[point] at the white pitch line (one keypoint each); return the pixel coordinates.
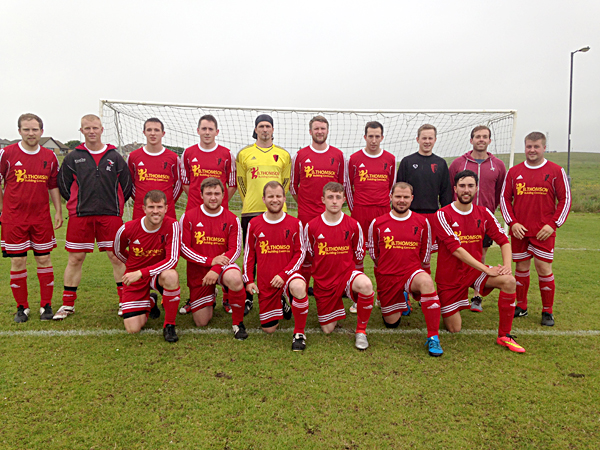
(215, 331)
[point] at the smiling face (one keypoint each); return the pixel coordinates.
(31, 133)
(401, 200)
(534, 152)
(319, 132)
(274, 199)
(155, 211)
(465, 189)
(481, 140)
(426, 142)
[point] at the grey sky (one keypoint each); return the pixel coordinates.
(57, 59)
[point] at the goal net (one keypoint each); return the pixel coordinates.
(123, 123)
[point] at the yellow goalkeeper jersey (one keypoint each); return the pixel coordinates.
(256, 166)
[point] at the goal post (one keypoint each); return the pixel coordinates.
(123, 123)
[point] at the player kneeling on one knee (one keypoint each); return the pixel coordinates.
(149, 247)
(460, 228)
(275, 242)
(335, 247)
(211, 242)
(400, 245)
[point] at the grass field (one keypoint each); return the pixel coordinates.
(84, 384)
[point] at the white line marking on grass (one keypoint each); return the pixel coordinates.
(215, 331)
(579, 249)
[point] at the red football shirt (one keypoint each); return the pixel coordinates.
(400, 245)
(199, 164)
(150, 171)
(152, 252)
(334, 248)
(27, 178)
(454, 229)
(311, 170)
(369, 179)
(530, 195)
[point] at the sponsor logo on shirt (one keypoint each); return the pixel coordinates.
(523, 189)
(468, 238)
(80, 160)
(255, 172)
(24, 177)
(390, 243)
(366, 176)
(266, 248)
(143, 175)
(310, 172)
(110, 165)
(197, 171)
(202, 238)
(141, 253)
(339, 250)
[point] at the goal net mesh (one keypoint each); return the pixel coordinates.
(123, 124)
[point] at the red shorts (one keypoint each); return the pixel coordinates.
(528, 247)
(83, 231)
(203, 296)
(19, 238)
(330, 307)
(364, 215)
(269, 300)
(136, 296)
(455, 299)
(390, 291)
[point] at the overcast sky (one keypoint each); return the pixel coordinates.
(59, 58)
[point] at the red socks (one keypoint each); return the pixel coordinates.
(237, 300)
(364, 307)
(18, 284)
(547, 289)
(171, 305)
(69, 295)
(46, 279)
(522, 288)
(506, 309)
(430, 305)
(300, 312)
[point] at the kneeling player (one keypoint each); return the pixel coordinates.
(336, 245)
(211, 242)
(460, 228)
(400, 245)
(150, 263)
(275, 240)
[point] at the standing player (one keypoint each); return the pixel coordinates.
(312, 168)
(428, 175)
(369, 180)
(275, 241)
(211, 242)
(461, 227)
(207, 159)
(529, 206)
(150, 262)
(95, 181)
(400, 245)
(29, 172)
(336, 247)
(257, 164)
(491, 172)
(154, 167)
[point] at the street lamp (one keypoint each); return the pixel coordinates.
(584, 49)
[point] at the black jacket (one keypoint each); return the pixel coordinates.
(94, 190)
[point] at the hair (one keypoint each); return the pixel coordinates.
(29, 116)
(332, 186)
(272, 185)
(317, 119)
(479, 128)
(426, 126)
(464, 174)
(154, 120)
(373, 124)
(402, 185)
(90, 117)
(211, 182)
(155, 196)
(210, 118)
(536, 136)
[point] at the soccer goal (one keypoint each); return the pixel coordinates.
(123, 123)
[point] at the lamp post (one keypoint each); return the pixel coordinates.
(584, 49)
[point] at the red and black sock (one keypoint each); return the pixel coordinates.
(506, 310)
(69, 295)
